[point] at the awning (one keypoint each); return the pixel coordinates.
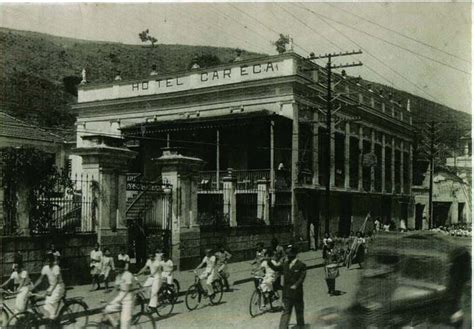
(196, 123)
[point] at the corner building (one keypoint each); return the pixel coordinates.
(259, 126)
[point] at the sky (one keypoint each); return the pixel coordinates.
(422, 48)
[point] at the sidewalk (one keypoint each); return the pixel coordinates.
(239, 274)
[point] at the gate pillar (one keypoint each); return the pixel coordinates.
(229, 197)
(104, 161)
(263, 201)
(181, 172)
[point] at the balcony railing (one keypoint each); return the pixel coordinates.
(245, 179)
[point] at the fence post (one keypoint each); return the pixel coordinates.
(230, 202)
(181, 173)
(105, 158)
(263, 201)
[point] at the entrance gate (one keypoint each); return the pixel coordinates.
(148, 217)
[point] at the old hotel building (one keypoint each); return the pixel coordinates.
(259, 128)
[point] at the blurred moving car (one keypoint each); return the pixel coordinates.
(410, 280)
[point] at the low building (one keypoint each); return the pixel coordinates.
(259, 127)
(451, 200)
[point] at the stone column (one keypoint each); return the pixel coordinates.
(105, 159)
(393, 165)
(181, 173)
(372, 169)
(410, 167)
(230, 201)
(347, 164)
(294, 163)
(263, 201)
(382, 163)
(315, 148)
(361, 154)
(2, 199)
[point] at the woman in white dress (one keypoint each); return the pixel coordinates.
(107, 266)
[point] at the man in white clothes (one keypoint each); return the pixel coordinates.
(154, 280)
(209, 273)
(56, 288)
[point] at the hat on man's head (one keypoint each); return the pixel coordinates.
(292, 250)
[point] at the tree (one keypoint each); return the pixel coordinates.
(146, 37)
(281, 43)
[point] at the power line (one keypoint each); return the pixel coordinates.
(386, 41)
(269, 28)
(398, 33)
(373, 56)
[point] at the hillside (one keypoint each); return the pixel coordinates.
(37, 70)
(38, 73)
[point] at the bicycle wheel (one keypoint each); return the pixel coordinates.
(3, 319)
(74, 314)
(143, 320)
(177, 287)
(256, 303)
(139, 304)
(193, 297)
(218, 292)
(165, 301)
(23, 320)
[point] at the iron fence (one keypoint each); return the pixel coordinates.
(211, 210)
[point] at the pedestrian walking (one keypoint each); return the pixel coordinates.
(95, 265)
(107, 266)
(53, 251)
(326, 241)
(294, 273)
(331, 269)
(123, 256)
(312, 237)
(222, 257)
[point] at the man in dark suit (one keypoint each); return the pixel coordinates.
(294, 273)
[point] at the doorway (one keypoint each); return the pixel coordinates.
(345, 215)
(419, 208)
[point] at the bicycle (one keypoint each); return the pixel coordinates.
(71, 313)
(166, 300)
(259, 303)
(7, 312)
(138, 321)
(196, 292)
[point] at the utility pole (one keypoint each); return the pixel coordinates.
(329, 113)
(431, 158)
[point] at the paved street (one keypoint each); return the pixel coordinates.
(233, 312)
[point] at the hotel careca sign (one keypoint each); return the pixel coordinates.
(234, 73)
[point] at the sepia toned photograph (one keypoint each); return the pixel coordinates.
(236, 165)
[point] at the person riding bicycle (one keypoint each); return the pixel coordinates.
(270, 275)
(20, 276)
(222, 257)
(256, 268)
(124, 301)
(56, 288)
(168, 267)
(154, 280)
(210, 272)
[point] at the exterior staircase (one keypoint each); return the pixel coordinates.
(137, 204)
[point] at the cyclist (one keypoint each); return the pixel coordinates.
(222, 257)
(20, 276)
(209, 274)
(56, 288)
(107, 266)
(154, 280)
(124, 257)
(168, 267)
(123, 302)
(270, 275)
(256, 268)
